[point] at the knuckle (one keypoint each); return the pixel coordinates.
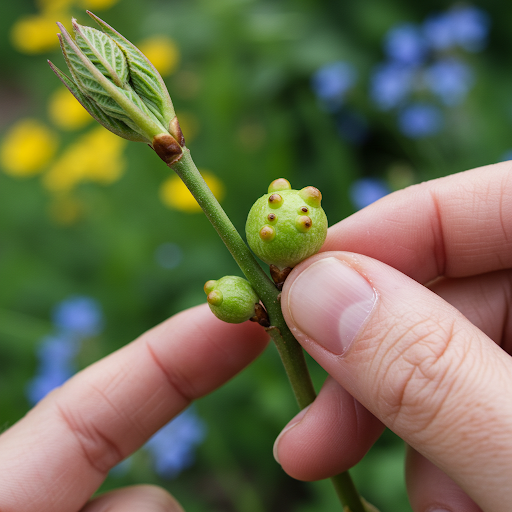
(416, 370)
(100, 451)
(175, 377)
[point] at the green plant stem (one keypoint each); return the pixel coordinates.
(288, 347)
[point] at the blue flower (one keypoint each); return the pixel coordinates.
(57, 351)
(470, 27)
(56, 355)
(79, 315)
(173, 446)
(420, 120)
(74, 319)
(438, 31)
(390, 84)
(450, 79)
(466, 27)
(332, 81)
(365, 191)
(406, 44)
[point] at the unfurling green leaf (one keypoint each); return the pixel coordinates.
(118, 85)
(103, 52)
(110, 123)
(145, 79)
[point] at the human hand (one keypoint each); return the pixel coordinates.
(413, 323)
(56, 457)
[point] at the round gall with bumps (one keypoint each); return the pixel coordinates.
(231, 299)
(286, 226)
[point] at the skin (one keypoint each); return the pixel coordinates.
(55, 458)
(431, 362)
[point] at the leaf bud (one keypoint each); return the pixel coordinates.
(119, 87)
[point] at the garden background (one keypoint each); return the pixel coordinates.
(99, 241)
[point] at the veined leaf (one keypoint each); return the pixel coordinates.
(110, 123)
(105, 94)
(144, 78)
(103, 52)
(85, 76)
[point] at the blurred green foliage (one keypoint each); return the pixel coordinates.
(243, 84)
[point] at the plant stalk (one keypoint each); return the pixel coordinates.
(289, 349)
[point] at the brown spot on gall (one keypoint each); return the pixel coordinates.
(303, 223)
(275, 201)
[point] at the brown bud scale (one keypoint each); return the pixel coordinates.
(167, 148)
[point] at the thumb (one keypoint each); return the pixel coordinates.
(414, 361)
(147, 498)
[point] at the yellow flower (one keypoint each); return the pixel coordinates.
(174, 194)
(27, 148)
(54, 6)
(162, 52)
(66, 112)
(97, 4)
(34, 33)
(96, 156)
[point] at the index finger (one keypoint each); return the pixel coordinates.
(455, 226)
(59, 453)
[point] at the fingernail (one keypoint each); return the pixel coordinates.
(330, 302)
(291, 424)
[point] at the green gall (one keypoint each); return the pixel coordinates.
(279, 184)
(287, 227)
(231, 299)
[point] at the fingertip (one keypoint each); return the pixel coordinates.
(431, 489)
(295, 421)
(328, 437)
(149, 498)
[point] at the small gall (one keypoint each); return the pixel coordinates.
(215, 298)
(272, 217)
(267, 233)
(209, 286)
(312, 196)
(303, 223)
(275, 201)
(303, 209)
(279, 184)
